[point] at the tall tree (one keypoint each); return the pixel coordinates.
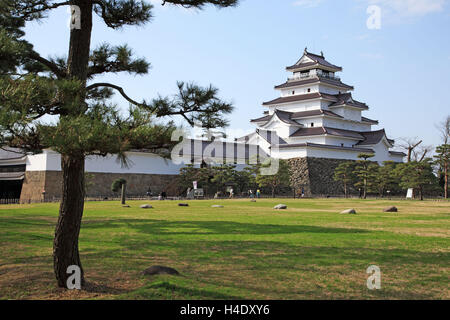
(444, 128)
(417, 175)
(344, 173)
(276, 181)
(385, 178)
(363, 172)
(32, 87)
(442, 159)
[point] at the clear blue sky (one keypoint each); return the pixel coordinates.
(402, 71)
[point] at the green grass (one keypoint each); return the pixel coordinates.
(242, 251)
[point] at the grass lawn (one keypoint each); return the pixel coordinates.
(242, 251)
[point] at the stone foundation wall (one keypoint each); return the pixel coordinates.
(33, 186)
(98, 185)
(315, 176)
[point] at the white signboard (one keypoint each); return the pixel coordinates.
(409, 195)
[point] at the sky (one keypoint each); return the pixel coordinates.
(399, 64)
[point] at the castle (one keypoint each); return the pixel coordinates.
(316, 116)
(315, 124)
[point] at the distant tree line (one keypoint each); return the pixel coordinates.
(216, 179)
(425, 175)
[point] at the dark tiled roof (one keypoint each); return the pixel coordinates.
(286, 117)
(374, 137)
(314, 80)
(262, 119)
(282, 115)
(301, 97)
(320, 60)
(398, 153)
(270, 136)
(347, 99)
(312, 113)
(10, 154)
(12, 175)
(326, 146)
(289, 117)
(318, 131)
(369, 120)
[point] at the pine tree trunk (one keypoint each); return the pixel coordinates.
(446, 181)
(124, 188)
(65, 246)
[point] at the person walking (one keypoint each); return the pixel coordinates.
(258, 193)
(231, 193)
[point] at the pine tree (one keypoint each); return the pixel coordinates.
(278, 180)
(385, 178)
(442, 159)
(344, 174)
(363, 172)
(417, 175)
(32, 87)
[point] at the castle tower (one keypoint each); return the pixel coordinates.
(317, 116)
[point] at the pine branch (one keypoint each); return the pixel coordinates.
(33, 9)
(201, 3)
(117, 13)
(53, 67)
(193, 103)
(107, 59)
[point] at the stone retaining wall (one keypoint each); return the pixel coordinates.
(98, 185)
(315, 176)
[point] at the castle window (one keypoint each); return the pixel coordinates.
(309, 89)
(342, 144)
(312, 124)
(293, 92)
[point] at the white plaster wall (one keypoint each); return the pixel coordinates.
(352, 114)
(289, 153)
(381, 152)
(144, 163)
(335, 141)
(297, 106)
(346, 125)
(332, 154)
(303, 89)
(318, 121)
(330, 90)
(316, 139)
(45, 161)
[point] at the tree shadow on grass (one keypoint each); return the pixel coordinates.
(166, 290)
(163, 227)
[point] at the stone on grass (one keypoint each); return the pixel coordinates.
(390, 209)
(216, 206)
(280, 207)
(349, 211)
(126, 206)
(183, 205)
(146, 206)
(253, 200)
(154, 270)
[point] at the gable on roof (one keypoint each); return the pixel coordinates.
(310, 59)
(346, 99)
(375, 137)
(319, 131)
